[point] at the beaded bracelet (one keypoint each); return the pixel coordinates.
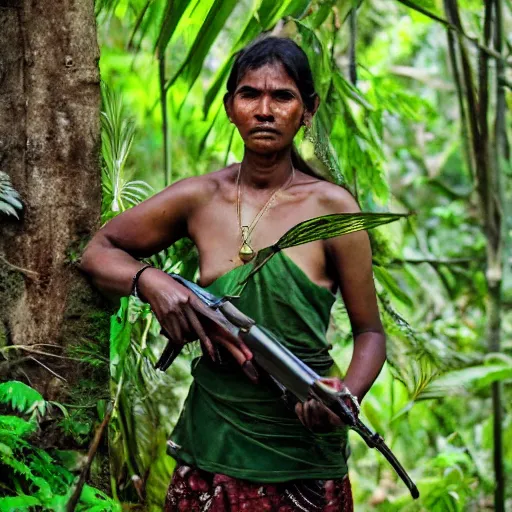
(135, 280)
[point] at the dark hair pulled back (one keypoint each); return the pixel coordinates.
(268, 50)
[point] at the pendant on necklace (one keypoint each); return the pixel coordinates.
(246, 252)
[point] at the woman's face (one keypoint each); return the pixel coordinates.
(267, 109)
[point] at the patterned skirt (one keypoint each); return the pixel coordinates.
(195, 490)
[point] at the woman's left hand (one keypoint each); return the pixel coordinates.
(315, 415)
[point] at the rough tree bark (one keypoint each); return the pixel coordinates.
(49, 145)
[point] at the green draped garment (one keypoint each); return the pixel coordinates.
(230, 425)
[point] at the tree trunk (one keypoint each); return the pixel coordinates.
(49, 145)
(487, 156)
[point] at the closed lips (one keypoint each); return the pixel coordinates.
(264, 130)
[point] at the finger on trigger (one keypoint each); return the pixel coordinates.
(244, 348)
(307, 414)
(216, 318)
(172, 328)
(315, 414)
(251, 372)
(183, 322)
(299, 411)
(233, 350)
(334, 419)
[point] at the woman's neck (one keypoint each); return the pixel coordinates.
(266, 171)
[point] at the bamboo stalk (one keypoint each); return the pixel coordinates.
(353, 75)
(488, 190)
(137, 25)
(483, 109)
(479, 145)
(495, 304)
(165, 125)
(483, 76)
(452, 52)
(352, 50)
(502, 143)
(494, 334)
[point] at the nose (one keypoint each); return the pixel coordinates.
(264, 110)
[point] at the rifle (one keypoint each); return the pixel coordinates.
(287, 371)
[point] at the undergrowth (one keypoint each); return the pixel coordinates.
(34, 479)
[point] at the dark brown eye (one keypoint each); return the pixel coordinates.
(248, 94)
(283, 96)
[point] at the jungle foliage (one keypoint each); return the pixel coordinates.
(412, 119)
(34, 478)
(394, 126)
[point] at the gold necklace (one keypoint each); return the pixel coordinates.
(246, 253)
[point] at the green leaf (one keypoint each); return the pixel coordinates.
(22, 397)
(173, 12)
(117, 137)
(345, 88)
(321, 14)
(322, 228)
(120, 332)
(388, 282)
(5, 450)
(426, 7)
(319, 57)
(336, 224)
(191, 66)
(18, 427)
(18, 503)
(94, 500)
(467, 379)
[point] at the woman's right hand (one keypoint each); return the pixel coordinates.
(184, 318)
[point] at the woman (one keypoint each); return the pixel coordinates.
(238, 445)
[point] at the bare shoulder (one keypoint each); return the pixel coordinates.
(338, 199)
(192, 188)
(196, 190)
(164, 218)
(329, 197)
(176, 203)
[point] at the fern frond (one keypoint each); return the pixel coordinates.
(19, 503)
(9, 198)
(117, 137)
(413, 360)
(22, 397)
(34, 475)
(465, 380)
(17, 427)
